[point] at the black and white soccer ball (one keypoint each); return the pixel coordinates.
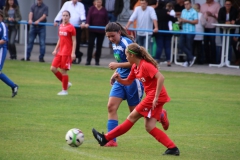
(74, 137)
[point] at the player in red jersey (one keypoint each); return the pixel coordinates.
(145, 69)
(64, 52)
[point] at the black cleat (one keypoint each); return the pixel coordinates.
(99, 137)
(173, 151)
(14, 91)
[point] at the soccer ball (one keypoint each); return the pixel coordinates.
(74, 137)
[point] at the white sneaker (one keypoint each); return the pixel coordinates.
(192, 62)
(63, 93)
(185, 64)
(69, 85)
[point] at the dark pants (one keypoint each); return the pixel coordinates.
(185, 44)
(99, 38)
(41, 32)
(12, 33)
(210, 46)
(163, 42)
(78, 40)
(198, 51)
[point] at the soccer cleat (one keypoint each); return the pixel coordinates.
(69, 85)
(63, 93)
(164, 119)
(14, 91)
(173, 151)
(111, 143)
(99, 137)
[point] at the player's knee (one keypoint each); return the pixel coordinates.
(53, 69)
(111, 108)
(148, 127)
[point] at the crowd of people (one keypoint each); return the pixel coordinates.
(147, 15)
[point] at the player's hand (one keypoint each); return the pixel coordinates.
(73, 56)
(54, 52)
(113, 65)
(154, 103)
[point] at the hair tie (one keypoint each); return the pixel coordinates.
(132, 51)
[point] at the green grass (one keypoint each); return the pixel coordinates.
(204, 115)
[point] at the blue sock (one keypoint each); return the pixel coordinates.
(6, 80)
(111, 125)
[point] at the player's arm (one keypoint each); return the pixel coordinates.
(56, 48)
(73, 55)
(125, 81)
(160, 80)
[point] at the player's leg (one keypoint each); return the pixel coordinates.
(119, 130)
(3, 77)
(54, 67)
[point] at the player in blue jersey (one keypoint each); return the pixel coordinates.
(132, 93)
(3, 54)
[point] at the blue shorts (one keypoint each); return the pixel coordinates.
(132, 93)
(3, 54)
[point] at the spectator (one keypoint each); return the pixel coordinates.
(38, 14)
(210, 11)
(189, 18)
(114, 8)
(97, 16)
(197, 43)
(179, 7)
(3, 54)
(171, 12)
(12, 15)
(78, 19)
(163, 40)
(236, 42)
(146, 18)
(84, 35)
(227, 15)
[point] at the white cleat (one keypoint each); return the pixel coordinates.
(63, 93)
(69, 85)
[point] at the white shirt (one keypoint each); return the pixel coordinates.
(200, 26)
(144, 19)
(77, 12)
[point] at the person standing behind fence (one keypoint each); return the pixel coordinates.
(188, 19)
(146, 19)
(114, 8)
(3, 54)
(64, 52)
(97, 16)
(197, 43)
(12, 15)
(227, 15)
(78, 18)
(38, 14)
(210, 11)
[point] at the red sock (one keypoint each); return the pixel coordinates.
(161, 137)
(119, 130)
(65, 82)
(59, 75)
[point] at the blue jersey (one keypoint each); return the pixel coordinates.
(119, 54)
(3, 34)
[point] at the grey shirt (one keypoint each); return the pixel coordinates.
(109, 5)
(38, 12)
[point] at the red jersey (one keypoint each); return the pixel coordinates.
(145, 73)
(65, 34)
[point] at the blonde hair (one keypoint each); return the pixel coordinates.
(141, 53)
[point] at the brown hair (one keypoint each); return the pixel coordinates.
(116, 27)
(141, 53)
(8, 6)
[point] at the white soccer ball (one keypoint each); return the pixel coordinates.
(74, 137)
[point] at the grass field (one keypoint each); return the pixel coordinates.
(204, 115)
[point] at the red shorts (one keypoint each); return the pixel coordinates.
(145, 108)
(62, 61)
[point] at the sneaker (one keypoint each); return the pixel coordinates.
(23, 59)
(185, 64)
(99, 137)
(69, 85)
(14, 91)
(192, 62)
(174, 152)
(164, 119)
(62, 93)
(111, 143)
